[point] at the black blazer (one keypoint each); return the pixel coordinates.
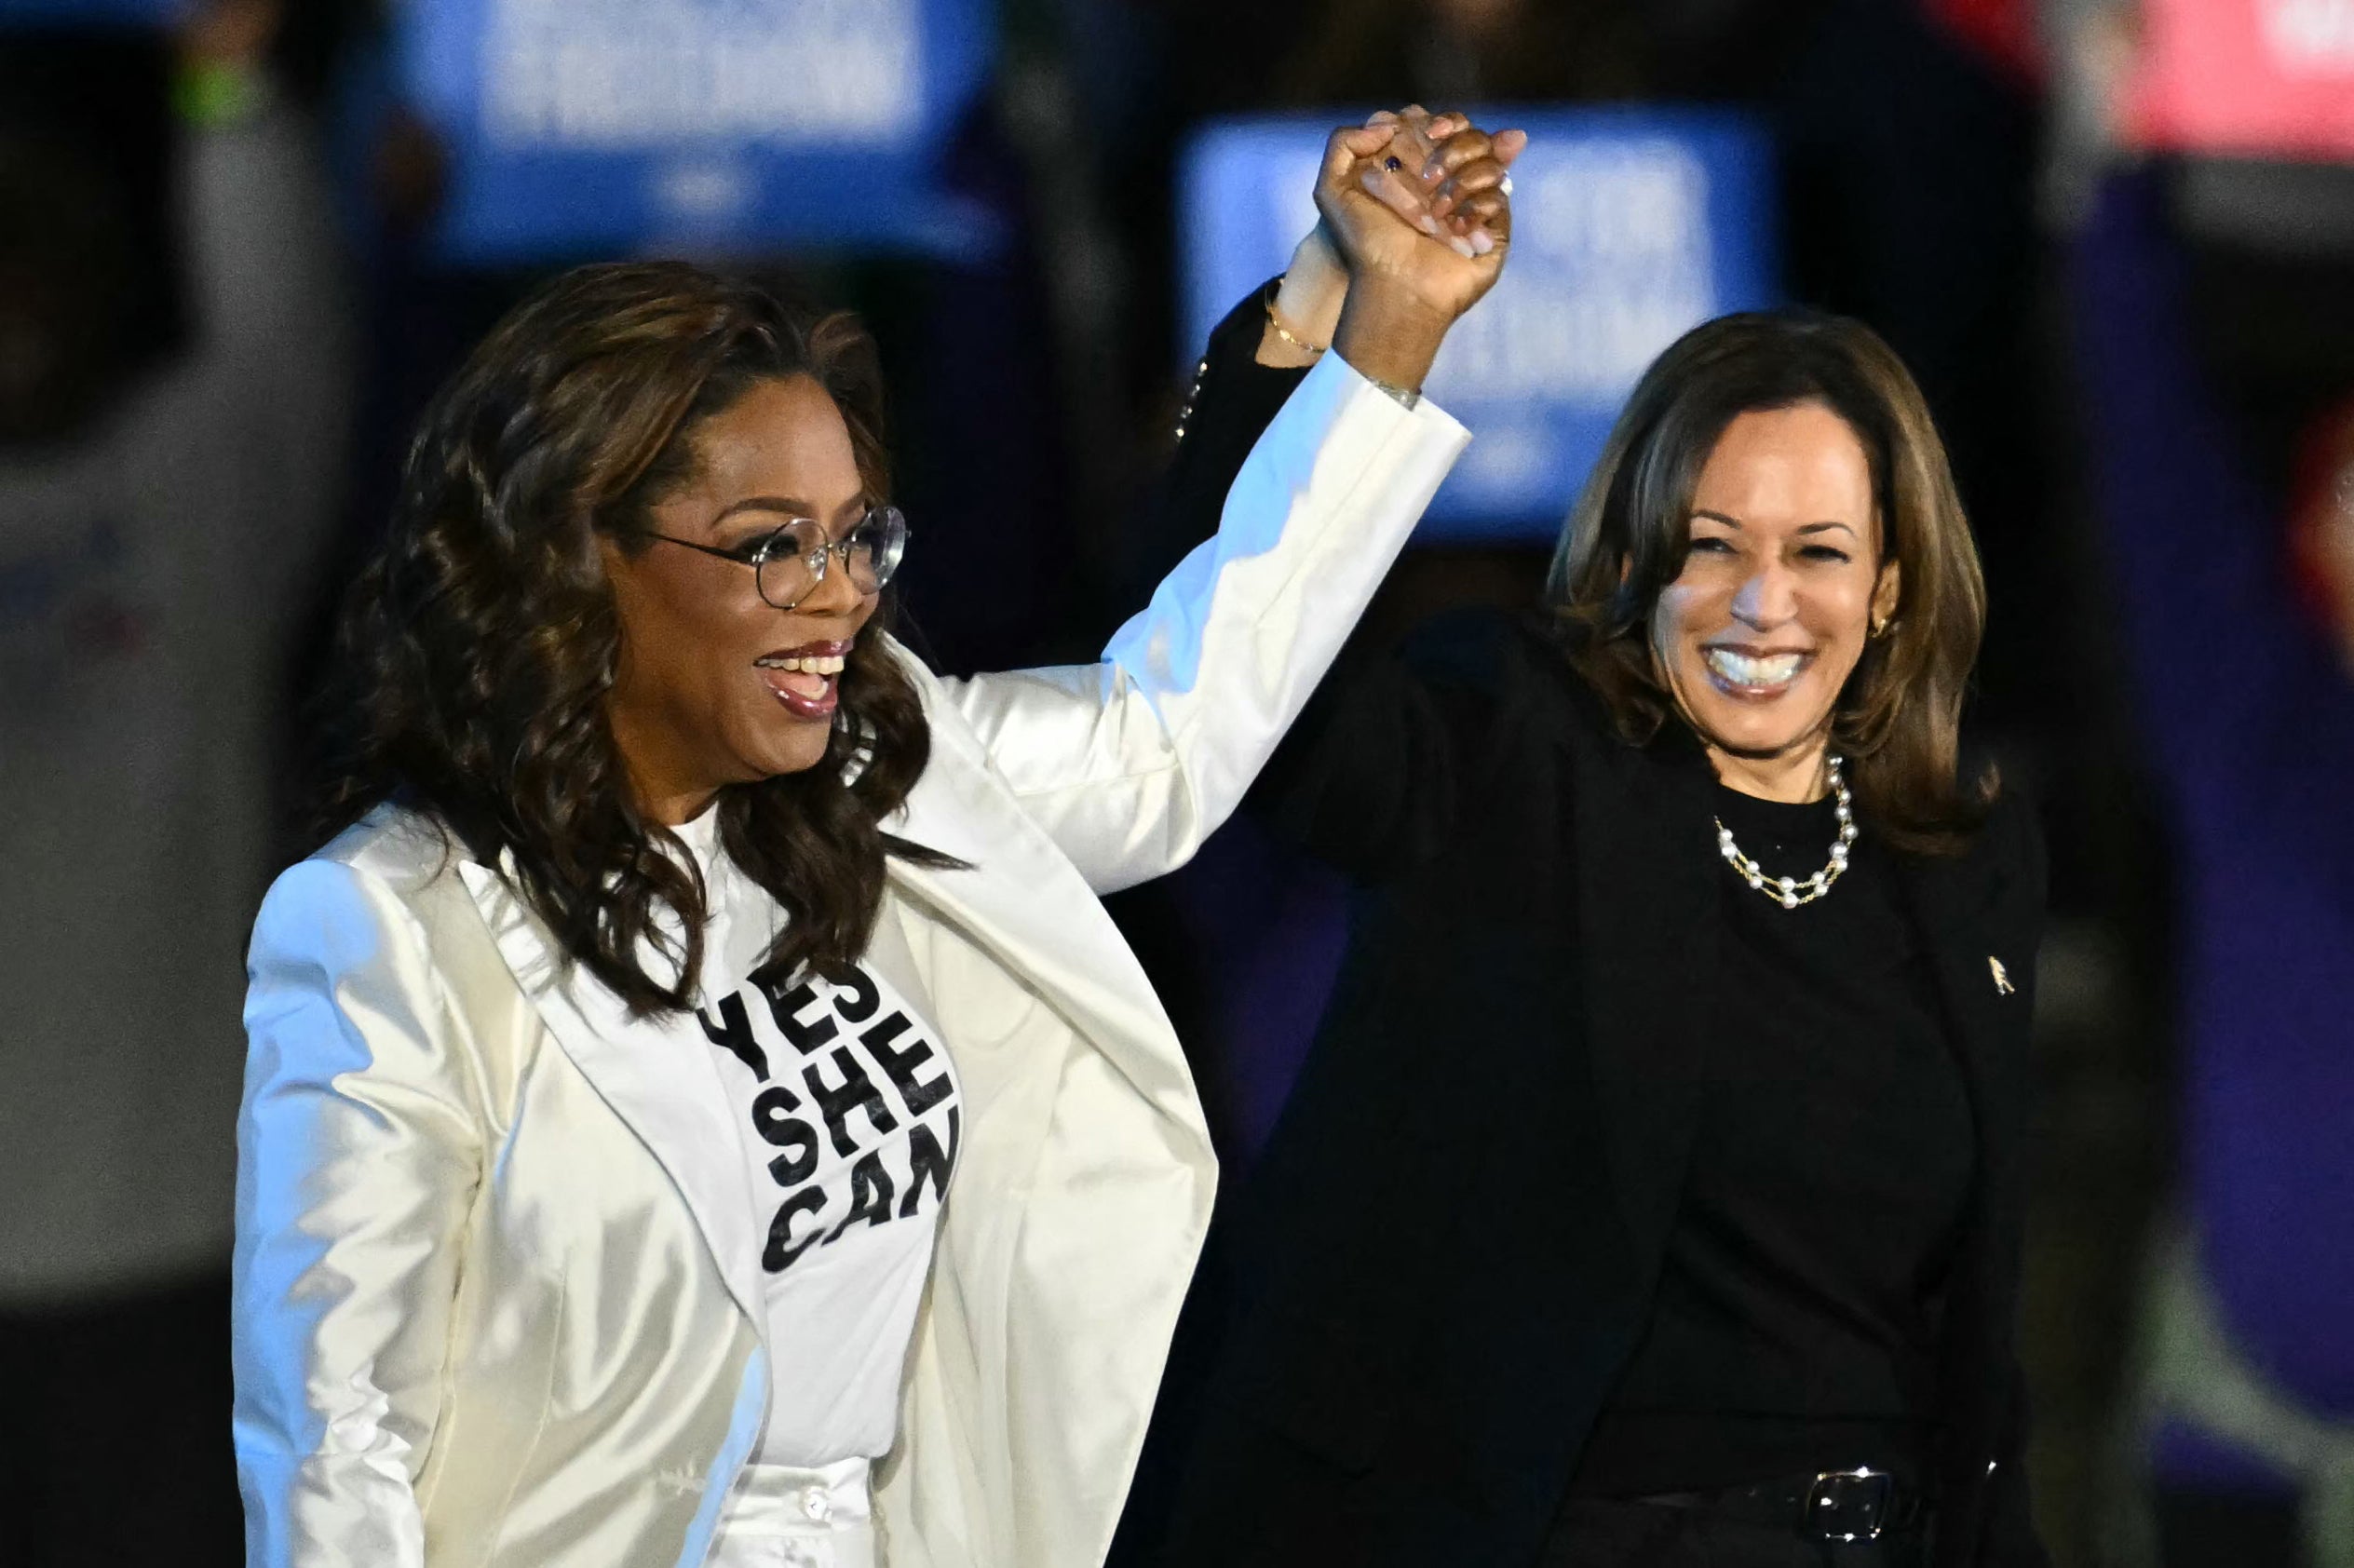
(1449, 1246)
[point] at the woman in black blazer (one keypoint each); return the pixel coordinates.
(1637, 1205)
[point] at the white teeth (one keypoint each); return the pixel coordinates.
(829, 664)
(1741, 670)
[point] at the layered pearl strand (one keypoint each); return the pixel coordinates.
(1791, 892)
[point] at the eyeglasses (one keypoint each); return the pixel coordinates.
(789, 563)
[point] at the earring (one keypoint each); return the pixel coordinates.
(1879, 627)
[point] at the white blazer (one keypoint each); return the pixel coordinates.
(497, 1293)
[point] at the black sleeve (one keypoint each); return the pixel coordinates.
(2009, 1537)
(1372, 775)
(1232, 401)
(1366, 780)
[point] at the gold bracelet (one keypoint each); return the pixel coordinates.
(1303, 346)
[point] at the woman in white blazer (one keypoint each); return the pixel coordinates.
(596, 1154)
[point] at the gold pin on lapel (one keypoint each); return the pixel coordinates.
(2002, 976)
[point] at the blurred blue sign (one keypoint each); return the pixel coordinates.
(601, 125)
(93, 13)
(1629, 225)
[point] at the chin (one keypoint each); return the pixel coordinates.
(1753, 740)
(779, 748)
(1764, 729)
(795, 759)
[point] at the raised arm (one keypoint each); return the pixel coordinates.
(1133, 760)
(1130, 763)
(358, 1148)
(1259, 353)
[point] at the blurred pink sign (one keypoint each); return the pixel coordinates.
(2267, 78)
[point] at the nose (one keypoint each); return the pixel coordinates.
(834, 593)
(1767, 598)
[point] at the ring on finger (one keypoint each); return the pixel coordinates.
(1505, 184)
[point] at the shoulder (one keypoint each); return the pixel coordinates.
(376, 886)
(2010, 835)
(950, 736)
(401, 847)
(373, 983)
(2012, 839)
(928, 683)
(1517, 665)
(2000, 874)
(1487, 649)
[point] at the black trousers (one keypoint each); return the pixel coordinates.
(1604, 1534)
(115, 1414)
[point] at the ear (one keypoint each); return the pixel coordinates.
(1887, 592)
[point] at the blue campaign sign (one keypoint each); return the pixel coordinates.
(596, 127)
(1629, 225)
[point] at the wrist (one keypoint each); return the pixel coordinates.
(1389, 334)
(1278, 346)
(1306, 307)
(1314, 286)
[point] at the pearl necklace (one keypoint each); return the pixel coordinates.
(1791, 892)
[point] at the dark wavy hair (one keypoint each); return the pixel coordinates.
(1897, 720)
(480, 640)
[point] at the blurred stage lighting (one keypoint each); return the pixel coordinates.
(2247, 78)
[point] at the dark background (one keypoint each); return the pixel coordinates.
(1934, 158)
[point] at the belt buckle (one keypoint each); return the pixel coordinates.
(1850, 1505)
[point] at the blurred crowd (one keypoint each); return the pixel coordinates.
(222, 308)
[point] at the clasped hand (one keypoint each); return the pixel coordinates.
(1415, 222)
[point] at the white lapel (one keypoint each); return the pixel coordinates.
(656, 1074)
(1044, 1334)
(1024, 902)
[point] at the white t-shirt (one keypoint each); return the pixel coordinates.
(848, 1111)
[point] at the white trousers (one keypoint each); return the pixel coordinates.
(785, 1518)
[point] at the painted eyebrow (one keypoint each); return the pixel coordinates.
(1810, 528)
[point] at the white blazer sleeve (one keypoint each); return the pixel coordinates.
(358, 1150)
(1130, 763)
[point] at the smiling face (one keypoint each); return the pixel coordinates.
(716, 687)
(1757, 635)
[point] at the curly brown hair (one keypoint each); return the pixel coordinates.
(480, 640)
(1897, 720)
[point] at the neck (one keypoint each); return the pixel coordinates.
(661, 782)
(666, 798)
(1793, 778)
(672, 808)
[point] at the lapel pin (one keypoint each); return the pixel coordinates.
(2002, 976)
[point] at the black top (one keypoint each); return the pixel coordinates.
(1436, 1272)
(1796, 1323)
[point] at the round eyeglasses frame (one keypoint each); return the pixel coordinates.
(781, 558)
